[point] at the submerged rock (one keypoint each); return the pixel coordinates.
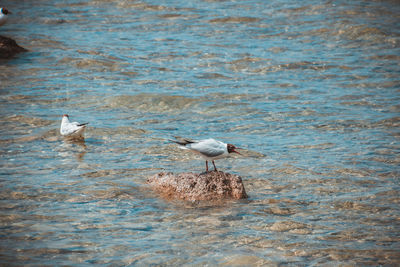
(8, 47)
(215, 185)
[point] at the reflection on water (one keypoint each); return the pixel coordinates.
(308, 90)
(69, 146)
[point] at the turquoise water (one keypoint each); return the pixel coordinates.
(310, 89)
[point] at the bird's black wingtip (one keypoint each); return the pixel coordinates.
(181, 141)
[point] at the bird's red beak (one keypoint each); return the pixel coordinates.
(234, 151)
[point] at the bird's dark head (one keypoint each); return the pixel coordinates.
(232, 149)
(66, 115)
(5, 11)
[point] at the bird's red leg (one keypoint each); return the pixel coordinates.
(215, 168)
(206, 166)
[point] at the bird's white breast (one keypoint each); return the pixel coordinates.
(3, 18)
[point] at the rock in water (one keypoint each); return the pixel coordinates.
(215, 185)
(8, 47)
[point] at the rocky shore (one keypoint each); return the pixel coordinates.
(215, 185)
(9, 47)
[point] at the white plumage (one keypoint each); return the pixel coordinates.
(3, 15)
(209, 149)
(72, 129)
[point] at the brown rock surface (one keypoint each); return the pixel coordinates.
(8, 47)
(215, 185)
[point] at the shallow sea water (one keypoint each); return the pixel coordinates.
(310, 90)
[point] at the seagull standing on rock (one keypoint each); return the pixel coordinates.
(72, 129)
(209, 149)
(3, 15)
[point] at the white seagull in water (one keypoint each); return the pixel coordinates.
(3, 15)
(72, 129)
(209, 149)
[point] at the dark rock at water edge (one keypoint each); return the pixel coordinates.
(9, 48)
(215, 185)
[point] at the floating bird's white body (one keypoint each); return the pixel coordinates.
(209, 149)
(3, 15)
(72, 129)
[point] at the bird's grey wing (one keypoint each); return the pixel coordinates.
(75, 123)
(206, 150)
(70, 129)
